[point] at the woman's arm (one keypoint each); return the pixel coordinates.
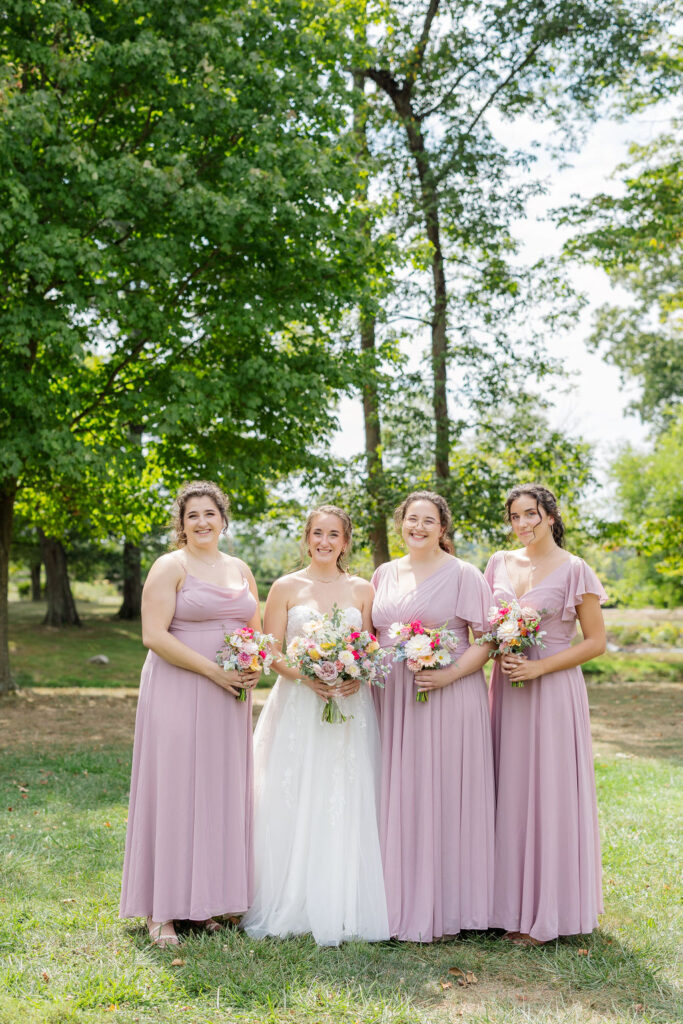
(158, 608)
(522, 669)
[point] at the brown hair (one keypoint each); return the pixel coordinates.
(197, 489)
(544, 499)
(347, 529)
(445, 517)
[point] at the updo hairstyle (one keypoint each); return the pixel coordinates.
(545, 500)
(445, 517)
(197, 489)
(347, 528)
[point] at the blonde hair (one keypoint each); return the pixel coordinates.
(347, 529)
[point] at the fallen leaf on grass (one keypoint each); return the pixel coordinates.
(638, 1007)
(465, 978)
(582, 952)
(69, 899)
(46, 976)
(178, 962)
(522, 998)
(446, 984)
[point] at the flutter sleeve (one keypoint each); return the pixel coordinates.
(377, 576)
(581, 580)
(474, 598)
(490, 570)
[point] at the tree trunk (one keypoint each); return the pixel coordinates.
(7, 494)
(377, 533)
(132, 582)
(35, 581)
(61, 607)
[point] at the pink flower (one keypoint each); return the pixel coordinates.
(416, 626)
(356, 655)
(243, 659)
(327, 671)
(354, 636)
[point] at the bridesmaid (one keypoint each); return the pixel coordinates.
(437, 802)
(547, 864)
(189, 839)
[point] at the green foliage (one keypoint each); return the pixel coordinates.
(637, 239)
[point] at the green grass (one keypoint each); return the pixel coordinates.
(65, 957)
(628, 668)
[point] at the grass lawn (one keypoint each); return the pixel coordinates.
(65, 956)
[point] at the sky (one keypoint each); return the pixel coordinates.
(595, 408)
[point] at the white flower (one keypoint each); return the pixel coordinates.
(346, 658)
(443, 657)
(418, 646)
(508, 630)
(397, 631)
(311, 627)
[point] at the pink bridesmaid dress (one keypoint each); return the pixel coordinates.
(547, 866)
(189, 839)
(437, 793)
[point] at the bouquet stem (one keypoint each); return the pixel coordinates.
(518, 683)
(422, 696)
(242, 695)
(332, 712)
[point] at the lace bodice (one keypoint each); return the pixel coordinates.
(299, 614)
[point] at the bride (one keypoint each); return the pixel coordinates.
(318, 865)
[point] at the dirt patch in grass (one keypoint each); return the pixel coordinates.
(640, 719)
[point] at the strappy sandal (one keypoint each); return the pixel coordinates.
(527, 941)
(210, 925)
(157, 936)
(511, 936)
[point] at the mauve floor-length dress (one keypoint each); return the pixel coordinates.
(547, 864)
(437, 793)
(189, 839)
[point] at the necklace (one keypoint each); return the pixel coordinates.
(211, 565)
(534, 565)
(316, 579)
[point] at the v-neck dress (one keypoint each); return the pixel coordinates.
(189, 837)
(547, 862)
(437, 794)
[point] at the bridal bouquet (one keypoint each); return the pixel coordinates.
(331, 650)
(246, 650)
(422, 648)
(513, 628)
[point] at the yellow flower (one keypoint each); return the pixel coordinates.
(313, 653)
(372, 647)
(326, 646)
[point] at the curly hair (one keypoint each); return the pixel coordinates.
(197, 489)
(445, 516)
(546, 500)
(347, 530)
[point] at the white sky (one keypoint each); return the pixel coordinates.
(595, 406)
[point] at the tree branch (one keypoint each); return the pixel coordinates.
(506, 81)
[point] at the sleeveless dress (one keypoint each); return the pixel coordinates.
(318, 866)
(189, 838)
(547, 867)
(437, 796)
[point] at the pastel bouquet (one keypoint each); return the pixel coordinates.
(513, 628)
(333, 651)
(246, 650)
(422, 647)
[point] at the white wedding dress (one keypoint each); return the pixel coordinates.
(318, 866)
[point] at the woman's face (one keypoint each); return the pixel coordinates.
(529, 520)
(421, 528)
(202, 522)
(326, 539)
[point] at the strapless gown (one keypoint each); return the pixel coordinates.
(318, 866)
(189, 838)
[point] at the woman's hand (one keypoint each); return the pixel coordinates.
(521, 669)
(347, 687)
(233, 681)
(436, 678)
(323, 690)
